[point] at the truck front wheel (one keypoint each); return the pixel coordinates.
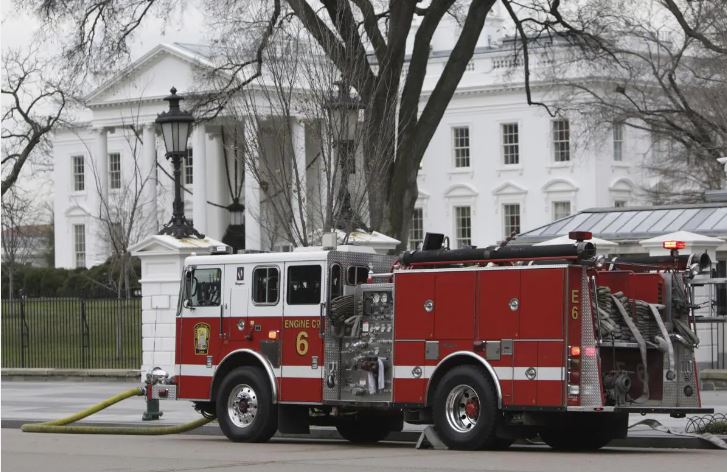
(465, 409)
(245, 409)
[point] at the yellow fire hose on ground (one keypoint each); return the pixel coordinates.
(63, 425)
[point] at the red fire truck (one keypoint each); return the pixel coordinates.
(488, 344)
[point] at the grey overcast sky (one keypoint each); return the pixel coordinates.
(20, 29)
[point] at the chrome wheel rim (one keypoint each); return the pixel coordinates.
(462, 408)
(242, 405)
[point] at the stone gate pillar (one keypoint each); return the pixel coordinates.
(162, 260)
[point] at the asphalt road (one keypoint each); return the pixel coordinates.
(80, 453)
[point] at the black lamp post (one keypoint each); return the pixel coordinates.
(176, 125)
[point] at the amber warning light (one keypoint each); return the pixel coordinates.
(674, 244)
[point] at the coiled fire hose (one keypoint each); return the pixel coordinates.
(63, 425)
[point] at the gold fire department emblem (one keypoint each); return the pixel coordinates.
(201, 338)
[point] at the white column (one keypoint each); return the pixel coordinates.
(150, 173)
(299, 194)
(252, 196)
(102, 163)
(97, 189)
(199, 178)
(217, 218)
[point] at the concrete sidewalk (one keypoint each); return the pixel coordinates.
(37, 401)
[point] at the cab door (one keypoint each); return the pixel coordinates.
(235, 318)
(199, 328)
(302, 337)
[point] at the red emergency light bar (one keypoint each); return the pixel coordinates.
(674, 244)
(580, 235)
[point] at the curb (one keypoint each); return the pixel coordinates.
(82, 375)
(713, 379)
(316, 434)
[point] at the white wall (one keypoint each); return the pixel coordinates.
(535, 183)
(72, 207)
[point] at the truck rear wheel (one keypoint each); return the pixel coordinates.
(245, 409)
(465, 409)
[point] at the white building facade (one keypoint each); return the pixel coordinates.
(494, 167)
(111, 175)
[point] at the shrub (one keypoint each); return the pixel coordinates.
(96, 282)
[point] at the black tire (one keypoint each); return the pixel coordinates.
(500, 444)
(465, 409)
(245, 408)
(369, 427)
(575, 441)
(584, 431)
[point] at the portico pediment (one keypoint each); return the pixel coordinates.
(151, 76)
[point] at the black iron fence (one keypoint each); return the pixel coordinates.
(71, 333)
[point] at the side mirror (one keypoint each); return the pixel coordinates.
(188, 287)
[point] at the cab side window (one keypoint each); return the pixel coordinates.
(265, 285)
(335, 281)
(304, 285)
(205, 287)
(356, 275)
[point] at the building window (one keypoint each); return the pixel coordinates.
(510, 143)
(512, 218)
(461, 138)
(188, 168)
(265, 285)
(561, 140)
(619, 203)
(662, 145)
(79, 183)
(416, 230)
(114, 171)
(463, 225)
(117, 235)
(79, 244)
(470, 66)
(618, 141)
(561, 210)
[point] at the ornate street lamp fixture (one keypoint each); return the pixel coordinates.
(343, 112)
(176, 125)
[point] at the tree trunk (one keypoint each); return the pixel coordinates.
(403, 190)
(378, 147)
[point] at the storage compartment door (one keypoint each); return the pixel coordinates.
(415, 306)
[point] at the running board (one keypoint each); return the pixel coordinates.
(674, 411)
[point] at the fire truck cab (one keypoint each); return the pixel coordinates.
(487, 344)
